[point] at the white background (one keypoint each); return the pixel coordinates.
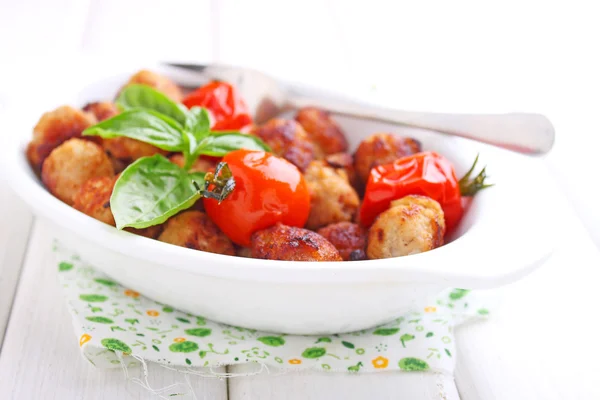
(539, 56)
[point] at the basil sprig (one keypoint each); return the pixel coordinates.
(152, 189)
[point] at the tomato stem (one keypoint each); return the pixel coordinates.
(470, 186)
(222, 183)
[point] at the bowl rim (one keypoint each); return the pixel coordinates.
(424, 267)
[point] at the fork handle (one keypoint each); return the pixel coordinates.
(526, 133)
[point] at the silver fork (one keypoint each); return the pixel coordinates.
(267, 97)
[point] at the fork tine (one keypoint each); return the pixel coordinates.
(188, 66)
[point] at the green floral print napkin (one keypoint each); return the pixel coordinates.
(117, 326)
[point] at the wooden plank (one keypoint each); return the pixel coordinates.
(40, 358)
(314, 385)
(14, 233)
(541, 340)
(539, 344)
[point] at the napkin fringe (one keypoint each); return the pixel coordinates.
(169, 391)
(185, 372)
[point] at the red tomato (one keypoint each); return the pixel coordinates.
(427, 174)
(268, 189)
(224, 102)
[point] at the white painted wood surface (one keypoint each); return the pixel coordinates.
(541, 344)
(40, 356)
(15, 219)
(301, 386)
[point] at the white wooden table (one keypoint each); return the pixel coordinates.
(540, 344)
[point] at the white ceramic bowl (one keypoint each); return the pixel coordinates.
(500, 239)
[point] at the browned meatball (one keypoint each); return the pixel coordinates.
(288, 243)
(381, 148)
(202, 164)
(325, 133)
(158, 82)
(71, 164)
(245, 252)
(123, 151)
(344, 161)
(54, 128)
(118, 165)
(412, 225)
(151, 232)
(195, 230)
(332, 199)
(348, 238)
(288, 139)
(101, 110)
(93, 199)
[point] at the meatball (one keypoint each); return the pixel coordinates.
(245, 252)
(381, 148)
(101, 110)
(93, 199)
(195, 230)
(348, 238)
(202, 163)
(151, 232)
(118, 165)
(123, 151)
(325, 133)
(344, 161)
(54, 128)
(288, 139)
(288, 243)
(413, 224)
(332, 199)
(158, 82)
(71, 164)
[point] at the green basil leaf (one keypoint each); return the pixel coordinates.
(143, 125)
(198, 123)
(188, 146)
(219, 144)
(151, 190)
(197, 127)
(197, 177)
(147, 98)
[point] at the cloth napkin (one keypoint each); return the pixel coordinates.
(117, 327)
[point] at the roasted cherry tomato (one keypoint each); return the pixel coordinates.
(268, 189)
(427, 174)
(224, 102)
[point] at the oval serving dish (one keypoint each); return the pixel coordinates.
(501, 238)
